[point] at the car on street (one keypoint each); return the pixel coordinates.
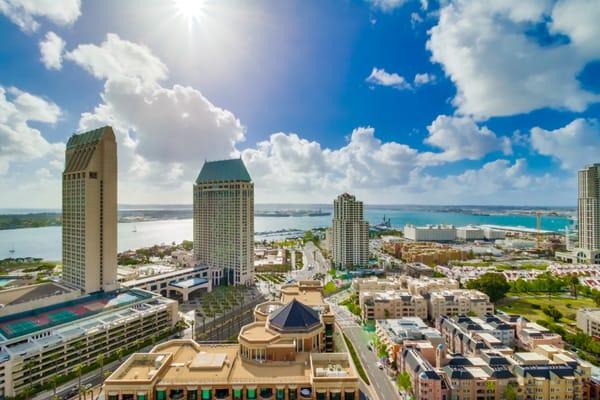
(379, 365)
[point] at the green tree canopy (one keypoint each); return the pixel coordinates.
(491, 283)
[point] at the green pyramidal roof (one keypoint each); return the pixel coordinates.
(87, 137)
(224, 170)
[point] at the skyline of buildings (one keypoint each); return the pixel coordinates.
(415, 164)
(224, 221)
(293, 336)
(350, 233)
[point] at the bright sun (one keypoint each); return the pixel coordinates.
(190, 9)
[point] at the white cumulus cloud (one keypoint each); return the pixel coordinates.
(381, 77)
(25, 13)
(573, 146)
(496, 182)
(51, 49)
(387, 5)
(499, 69)
(461, 138)
(19, 142)
(291, 168)
(423, 79)
(165, 133)
(118, 58)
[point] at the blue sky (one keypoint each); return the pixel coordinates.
(397, 101)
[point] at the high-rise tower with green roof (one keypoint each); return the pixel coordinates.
(224, 221)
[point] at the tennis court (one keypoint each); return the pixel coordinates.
(62, 316)
(38, 319)
(22, 327)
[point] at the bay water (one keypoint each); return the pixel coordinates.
(46, 242)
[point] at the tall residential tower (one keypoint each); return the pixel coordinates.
(588, 212)
(224, 220)
(89, 211)
(350, 244)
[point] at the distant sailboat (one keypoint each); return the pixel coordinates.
(12, 250)
(134, 228)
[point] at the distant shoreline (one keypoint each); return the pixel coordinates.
(133, 214)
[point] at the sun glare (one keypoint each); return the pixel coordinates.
(192, 10)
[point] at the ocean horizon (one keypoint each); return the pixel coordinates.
(45, 242)
(307, 206)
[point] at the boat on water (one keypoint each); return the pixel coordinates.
(134, 229)
(384, 225)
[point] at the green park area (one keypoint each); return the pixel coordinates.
(550, 301)
(532, 307)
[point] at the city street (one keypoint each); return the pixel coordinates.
(314, 263)
(381, 383)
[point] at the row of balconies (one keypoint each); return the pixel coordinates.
(66, 362)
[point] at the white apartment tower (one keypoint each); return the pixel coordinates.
(588, 213)
(224, 221)
(350, 242)
(89, 211)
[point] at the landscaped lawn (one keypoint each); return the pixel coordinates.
(530, 306)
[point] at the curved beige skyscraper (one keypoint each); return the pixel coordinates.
(89, 211)
(224, 221)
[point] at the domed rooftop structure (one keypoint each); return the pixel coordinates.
(294, 317)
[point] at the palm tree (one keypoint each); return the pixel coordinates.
(27, 392)
(403, 382)
(573, 282)
(28, 367)
(120, 353)
(54, 381)
(78, 370)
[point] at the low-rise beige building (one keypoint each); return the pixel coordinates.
(551, 373)
(376, 284)
(425, 252)
(459, 302)
(285, 354)
(531, 335)
(391, 304)
(423, 286)
(588, 320)
(186, 370)
(395, 333)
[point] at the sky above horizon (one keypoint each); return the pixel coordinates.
(396, 101)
